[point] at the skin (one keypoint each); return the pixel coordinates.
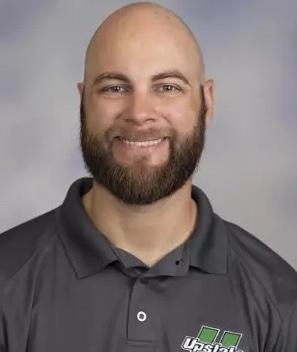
(139, 41)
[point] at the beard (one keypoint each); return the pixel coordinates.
(140, 184)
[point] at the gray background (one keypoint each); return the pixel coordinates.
(249, 165)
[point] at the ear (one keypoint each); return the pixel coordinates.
(80, 87)
(209, 100)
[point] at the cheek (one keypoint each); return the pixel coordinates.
(182, 118)
(101, 116)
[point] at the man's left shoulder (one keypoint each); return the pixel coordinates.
(266, 266)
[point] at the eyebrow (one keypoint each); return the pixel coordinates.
(113, 75)
(171, 74)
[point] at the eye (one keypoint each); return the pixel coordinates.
(169, 88)
(114, 89)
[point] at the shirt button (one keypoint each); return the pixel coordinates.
(141, 316)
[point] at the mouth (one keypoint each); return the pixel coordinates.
(141, 143)
(133, 148)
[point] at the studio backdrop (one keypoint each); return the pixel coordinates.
(249, 165)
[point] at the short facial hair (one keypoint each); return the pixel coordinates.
(140, 184)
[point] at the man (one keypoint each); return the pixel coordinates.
(135, 259)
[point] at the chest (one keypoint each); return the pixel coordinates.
(119, 313)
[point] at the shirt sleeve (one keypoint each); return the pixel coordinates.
(287, 339)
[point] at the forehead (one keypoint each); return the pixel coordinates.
(142, 45)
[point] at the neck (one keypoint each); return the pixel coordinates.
(146, 231)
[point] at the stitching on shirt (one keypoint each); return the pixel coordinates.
(2, 314)
(27, 262)
(259, 282)
(35, 253)
(239, 258)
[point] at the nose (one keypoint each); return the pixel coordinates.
(140, 108)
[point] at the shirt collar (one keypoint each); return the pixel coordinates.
(175, 263)
(89, 251)
(87, 248)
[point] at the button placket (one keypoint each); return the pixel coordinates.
(140, 314)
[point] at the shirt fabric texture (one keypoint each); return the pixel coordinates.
(65, 288)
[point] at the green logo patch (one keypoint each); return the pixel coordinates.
(209, 339)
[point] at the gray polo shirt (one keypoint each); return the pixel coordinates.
(65, 288)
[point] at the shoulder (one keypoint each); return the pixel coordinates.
(277, 277)
(20, 243)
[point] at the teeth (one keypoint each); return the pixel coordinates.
(143, 144)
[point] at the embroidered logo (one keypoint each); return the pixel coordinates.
(208, 340)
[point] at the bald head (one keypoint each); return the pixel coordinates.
(142, 26)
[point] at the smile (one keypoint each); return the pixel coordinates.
(142, 143)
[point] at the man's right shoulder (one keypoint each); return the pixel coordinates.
(20, 243)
